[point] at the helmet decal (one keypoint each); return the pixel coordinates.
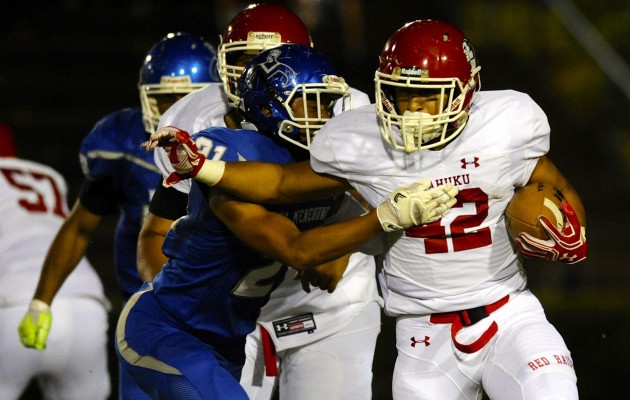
(469, 53)
(277, 70)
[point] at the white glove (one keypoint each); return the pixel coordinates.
(416, 204)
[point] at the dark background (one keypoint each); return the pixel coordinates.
(66, 64)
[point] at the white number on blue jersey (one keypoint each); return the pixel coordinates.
(205, 145)
(258, 282)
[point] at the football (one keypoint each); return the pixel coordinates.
(527, 204)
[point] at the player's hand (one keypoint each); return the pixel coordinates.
(568, 246)
(35, 325)
(183, 153)
(416, 204)
(185, 157)
(325, 276)
(163, 137)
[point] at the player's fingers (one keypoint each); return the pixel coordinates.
(332, 285)
(306, 282)
(322, 284)
(551, 230)
(443, 209)
(567, 209)
(532, 241)
(529, 251)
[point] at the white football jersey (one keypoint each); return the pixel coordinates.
(465, 259)
(32, 209)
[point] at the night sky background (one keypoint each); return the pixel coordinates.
(66, 64)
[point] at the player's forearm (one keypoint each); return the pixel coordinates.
(62, 258)
(252, 181)
(326, 243)
(267, 183)
(150, 258)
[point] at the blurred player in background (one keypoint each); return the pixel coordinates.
(465, 320)
(119, 175)
(352, 309)
(184, 334)
(74, 366)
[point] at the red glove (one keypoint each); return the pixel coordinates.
(182, 151)
(568, 246)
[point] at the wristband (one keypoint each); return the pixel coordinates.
(39, 306)
(211, 172)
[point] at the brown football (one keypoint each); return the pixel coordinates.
(527, 204)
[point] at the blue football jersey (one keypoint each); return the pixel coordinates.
(213, 282)
(112, 151)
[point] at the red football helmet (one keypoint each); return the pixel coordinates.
(256, 28)
(432, 55)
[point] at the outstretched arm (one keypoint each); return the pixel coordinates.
(279, 183)
(252, 181)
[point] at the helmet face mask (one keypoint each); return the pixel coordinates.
(288, 91)
(256, 28)
(308, 107)
(175, 66)
(425, 55)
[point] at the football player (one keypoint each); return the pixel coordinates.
(183, 335)
(74, 366)
(353, 309)
(120, 176)
(465, 319)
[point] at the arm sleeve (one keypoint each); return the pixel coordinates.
(96, 196)
(531, 139)
(168, 203)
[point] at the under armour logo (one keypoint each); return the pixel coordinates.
(567, 257)
(282, 327)
(474, 162)
(414, 341)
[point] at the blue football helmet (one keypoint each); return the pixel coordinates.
(276, 78)
(175, 66)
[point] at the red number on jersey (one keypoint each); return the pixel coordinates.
(37, 204)
(459, 230)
